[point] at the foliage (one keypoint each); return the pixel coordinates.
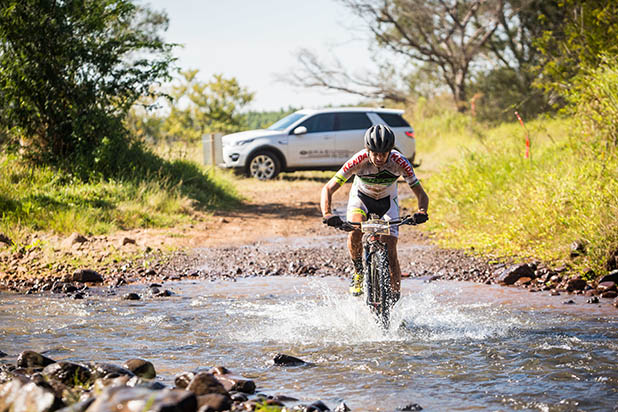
(204, 107)
(588, 32)
(70, 70)
(263, 119)
(491, 200)
(193, 109)
(593, 100)
(503, 91)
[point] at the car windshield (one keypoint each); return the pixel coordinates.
(286, 121)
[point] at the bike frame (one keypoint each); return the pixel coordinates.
(377, 274)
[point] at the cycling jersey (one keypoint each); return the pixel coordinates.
(375, 189)
(373, 181)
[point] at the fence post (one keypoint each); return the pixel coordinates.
(213, 157)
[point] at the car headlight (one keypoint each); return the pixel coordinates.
(243, 142)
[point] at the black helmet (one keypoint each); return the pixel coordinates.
(379, 138)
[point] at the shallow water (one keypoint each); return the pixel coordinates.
(453, 345)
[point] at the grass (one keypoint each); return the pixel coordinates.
(38, 198)
(487, 198)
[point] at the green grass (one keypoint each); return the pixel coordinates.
(38, 198)
(486, 197)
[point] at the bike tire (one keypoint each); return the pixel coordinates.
(377, 282)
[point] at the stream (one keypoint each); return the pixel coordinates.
(452, 345)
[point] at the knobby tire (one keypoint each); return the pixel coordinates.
(377, 281)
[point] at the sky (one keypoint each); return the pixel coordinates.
(256, 41)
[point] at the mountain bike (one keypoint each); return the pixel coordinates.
(377, 274)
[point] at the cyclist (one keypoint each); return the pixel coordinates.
(374, 191)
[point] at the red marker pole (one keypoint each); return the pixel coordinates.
(521, 122)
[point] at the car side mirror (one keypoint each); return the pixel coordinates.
(300, 130)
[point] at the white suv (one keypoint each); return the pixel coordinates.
(311, 140)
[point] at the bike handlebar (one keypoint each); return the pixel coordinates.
(403, 220)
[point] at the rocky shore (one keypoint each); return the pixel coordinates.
(36, 383)
(323, 256)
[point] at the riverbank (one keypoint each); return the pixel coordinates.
(277, 232)
(41, 384)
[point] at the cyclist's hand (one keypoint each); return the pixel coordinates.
(420, 217)
(332, 220)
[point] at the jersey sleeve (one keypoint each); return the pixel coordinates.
(350, 167)
(405, 168)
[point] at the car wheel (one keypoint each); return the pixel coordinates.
(264, 166)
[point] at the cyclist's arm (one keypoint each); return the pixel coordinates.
(327, 196)
(421, 197)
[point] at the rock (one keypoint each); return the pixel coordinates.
(317, 406)
(287, 360)
(107, 370)
(213, 402)
(17, 396)
(511, 274)
(578, 248)
(5, 239)
(568, 302)
(342, 407)
(136, 381)
(576, 283)
(131, 296)
(102, 383)
(612, 262)
(80, 406)
(74, 239)
(125, 399)
(610, 294)
(68, 288)
(3, 354)
(128, 241)
(182, 380)
(616, 303)
(233, 383)
(141, 368)
(523, 281)
(610, 277)
(593, 299)
(203, 383)
(239, 397)
(605, 286)
(9, 392)
(87, 275)
(411, 407)
(68, 373)
(31, 359)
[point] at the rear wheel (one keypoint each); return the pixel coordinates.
(263, 165)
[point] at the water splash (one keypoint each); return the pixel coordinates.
(323, 314)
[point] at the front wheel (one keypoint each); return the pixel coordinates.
(377, 282)
(263, 165)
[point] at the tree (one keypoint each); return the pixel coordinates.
(584, 39)
(202, 107)
(71, 69)
(507, 85)
(315, 73)
(447, 35)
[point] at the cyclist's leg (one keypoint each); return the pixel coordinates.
(391, 241)
(356, 212)
(393, 261)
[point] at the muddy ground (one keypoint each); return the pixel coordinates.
(278, 231)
